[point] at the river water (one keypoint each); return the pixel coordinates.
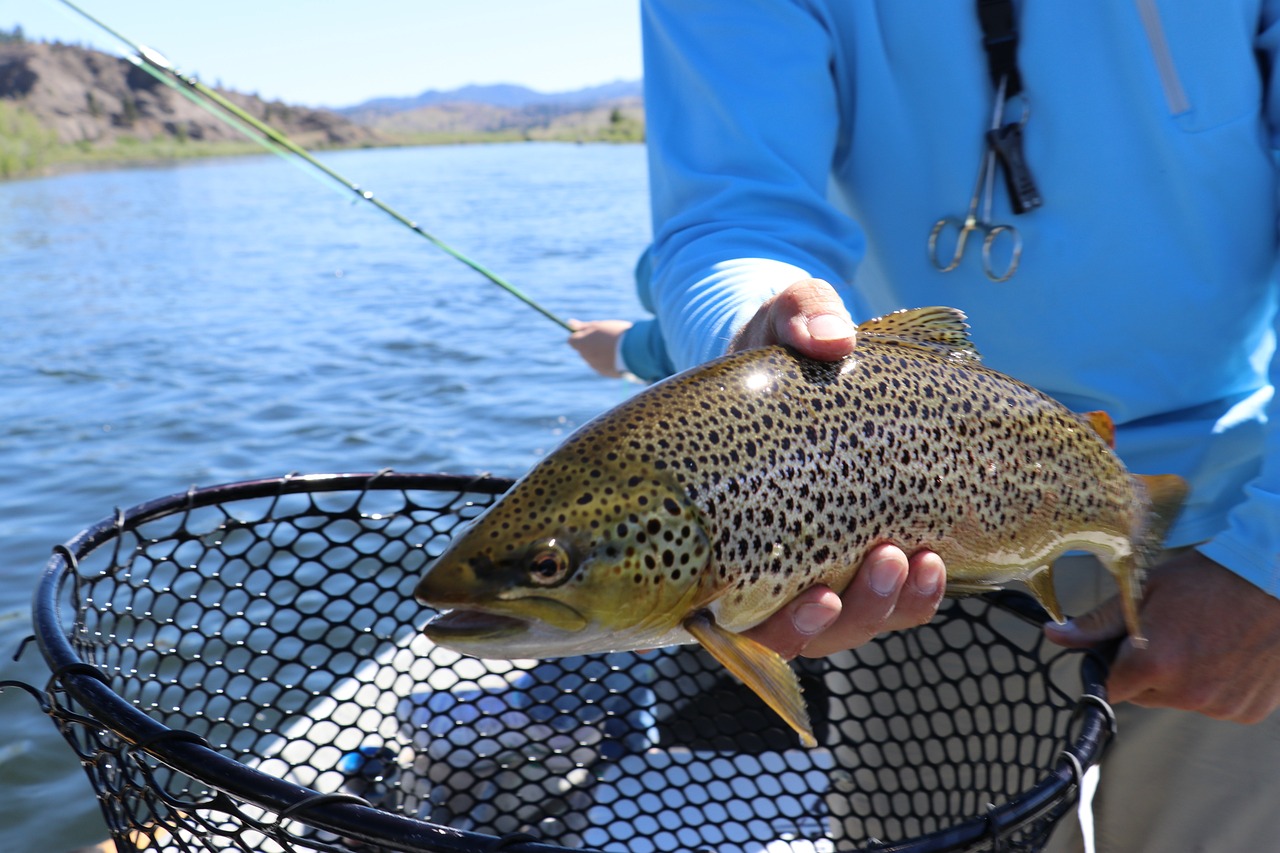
(234, 319)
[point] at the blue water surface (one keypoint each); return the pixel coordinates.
(234, 319)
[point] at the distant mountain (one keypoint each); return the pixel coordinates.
(503, 95)
(612, 112)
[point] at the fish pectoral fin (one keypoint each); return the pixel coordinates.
(1041, 584)
(758, 667)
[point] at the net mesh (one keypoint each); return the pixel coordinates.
(243, 668)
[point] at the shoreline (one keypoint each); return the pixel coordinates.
(170, 153)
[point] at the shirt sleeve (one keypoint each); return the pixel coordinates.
(1250, 545)
(743, 126)
(643, 352)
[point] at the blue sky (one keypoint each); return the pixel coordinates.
(341, 52)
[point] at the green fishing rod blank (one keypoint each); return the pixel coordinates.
(251, 126)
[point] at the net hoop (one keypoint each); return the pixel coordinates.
(81, 695)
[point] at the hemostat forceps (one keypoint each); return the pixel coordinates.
(983, 190)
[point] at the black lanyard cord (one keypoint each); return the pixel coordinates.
(1000, 39)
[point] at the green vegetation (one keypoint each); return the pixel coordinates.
(14, 36)
(631, 133)
(130, 151)
(623, 128)
(28, 149)
(25, 144)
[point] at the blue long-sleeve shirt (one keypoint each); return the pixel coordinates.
(798, 138)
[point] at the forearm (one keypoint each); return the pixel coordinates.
(739, 165)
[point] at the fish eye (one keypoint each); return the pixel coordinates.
(549, 564)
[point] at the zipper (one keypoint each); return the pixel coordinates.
(1174, 94)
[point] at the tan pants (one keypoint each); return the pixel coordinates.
(1173, 781)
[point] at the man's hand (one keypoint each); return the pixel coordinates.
(597, 342)
(890, 590)
(808, 315)
(1214, 643)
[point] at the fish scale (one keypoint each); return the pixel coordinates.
(697, 508)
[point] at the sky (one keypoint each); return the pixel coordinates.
(341, 52)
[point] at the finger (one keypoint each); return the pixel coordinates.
(922, 592)
(1102, 623)
(869, 602)
(793, 627)
(809, 316)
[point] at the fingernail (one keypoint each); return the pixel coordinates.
(809, 619)
(885, 575)
(829, 327)
(928, 579)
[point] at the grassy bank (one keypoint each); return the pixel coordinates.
(28, 150)
(25, 145)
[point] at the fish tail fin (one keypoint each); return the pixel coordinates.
(760, 668)
(1164, 495)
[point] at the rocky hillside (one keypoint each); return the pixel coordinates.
(63, 106)
(88, 98)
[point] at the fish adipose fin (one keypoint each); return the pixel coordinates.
(758, 667)
(938, 329)
(1101, 423)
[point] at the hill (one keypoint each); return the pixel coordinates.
(84, 96)
(64, 105)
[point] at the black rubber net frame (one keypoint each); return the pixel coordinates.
(241, 667)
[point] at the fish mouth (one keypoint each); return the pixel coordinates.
(473, 625)
(481, 624)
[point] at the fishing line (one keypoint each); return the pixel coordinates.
(228, 112)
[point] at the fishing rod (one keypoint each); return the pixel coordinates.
(158, 66)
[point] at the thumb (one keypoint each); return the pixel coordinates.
(807, 315)
(1102, 623)
(811, 317)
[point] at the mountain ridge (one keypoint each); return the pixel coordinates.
(511, 95)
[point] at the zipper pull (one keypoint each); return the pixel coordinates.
(1006, 142)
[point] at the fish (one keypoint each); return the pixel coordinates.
(698, 507)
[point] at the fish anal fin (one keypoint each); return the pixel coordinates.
(936, 328)
(1040, 583)
(1163, 495)
(758, 667)
(1101, 423)
(1129, 575)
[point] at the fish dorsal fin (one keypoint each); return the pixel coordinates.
(938, 328)
(1101, 423)
(762, 669)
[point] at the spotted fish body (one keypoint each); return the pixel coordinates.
(699, 507)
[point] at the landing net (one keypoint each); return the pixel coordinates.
(242, 668)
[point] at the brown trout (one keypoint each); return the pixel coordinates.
(700, 506)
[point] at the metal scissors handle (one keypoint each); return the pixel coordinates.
(975, 220)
